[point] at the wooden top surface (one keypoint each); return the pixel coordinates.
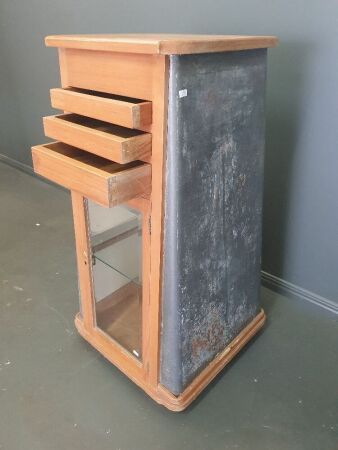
(165, 44)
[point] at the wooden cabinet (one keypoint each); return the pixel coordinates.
(161, 143)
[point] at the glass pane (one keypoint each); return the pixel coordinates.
(116, 242)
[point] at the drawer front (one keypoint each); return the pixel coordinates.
(102, 181)
(112, 142)
(130, 75)
(124, 111)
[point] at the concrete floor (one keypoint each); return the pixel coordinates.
(56, 392)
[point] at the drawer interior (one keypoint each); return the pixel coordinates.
(128, 112)
(94, 124)
(106, 95)
(88, 159)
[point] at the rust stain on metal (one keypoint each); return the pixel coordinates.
(214, 336)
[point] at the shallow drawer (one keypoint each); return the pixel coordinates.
(101, 138)
(101, 180)
(125, 111)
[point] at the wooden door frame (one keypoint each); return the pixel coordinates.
(85, 321)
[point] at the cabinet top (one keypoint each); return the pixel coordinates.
(164, 44)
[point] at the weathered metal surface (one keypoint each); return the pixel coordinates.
(213, 207)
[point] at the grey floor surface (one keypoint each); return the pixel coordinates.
(56, 392)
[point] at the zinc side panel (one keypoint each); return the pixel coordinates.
(213, 207)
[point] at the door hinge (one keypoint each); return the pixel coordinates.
(149, 224)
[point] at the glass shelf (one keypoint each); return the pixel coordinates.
(122, 253)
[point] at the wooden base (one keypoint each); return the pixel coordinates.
(159, 393)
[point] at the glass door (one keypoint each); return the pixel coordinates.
(116, 244)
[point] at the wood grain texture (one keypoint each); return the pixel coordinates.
(84, 259)
(160, 104)
(63, 67)
(165, 44)
(124, 112)
(109, 141)
(96, 178)
(123, 74)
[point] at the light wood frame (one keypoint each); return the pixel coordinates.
(145, 373)
(151, 84)
(85, 320)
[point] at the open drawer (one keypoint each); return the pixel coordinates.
(125, 111)
(101, 138)
(100, 180)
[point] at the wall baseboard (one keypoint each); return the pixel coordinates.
(28, 169)
(16, 164)
(291, 290)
